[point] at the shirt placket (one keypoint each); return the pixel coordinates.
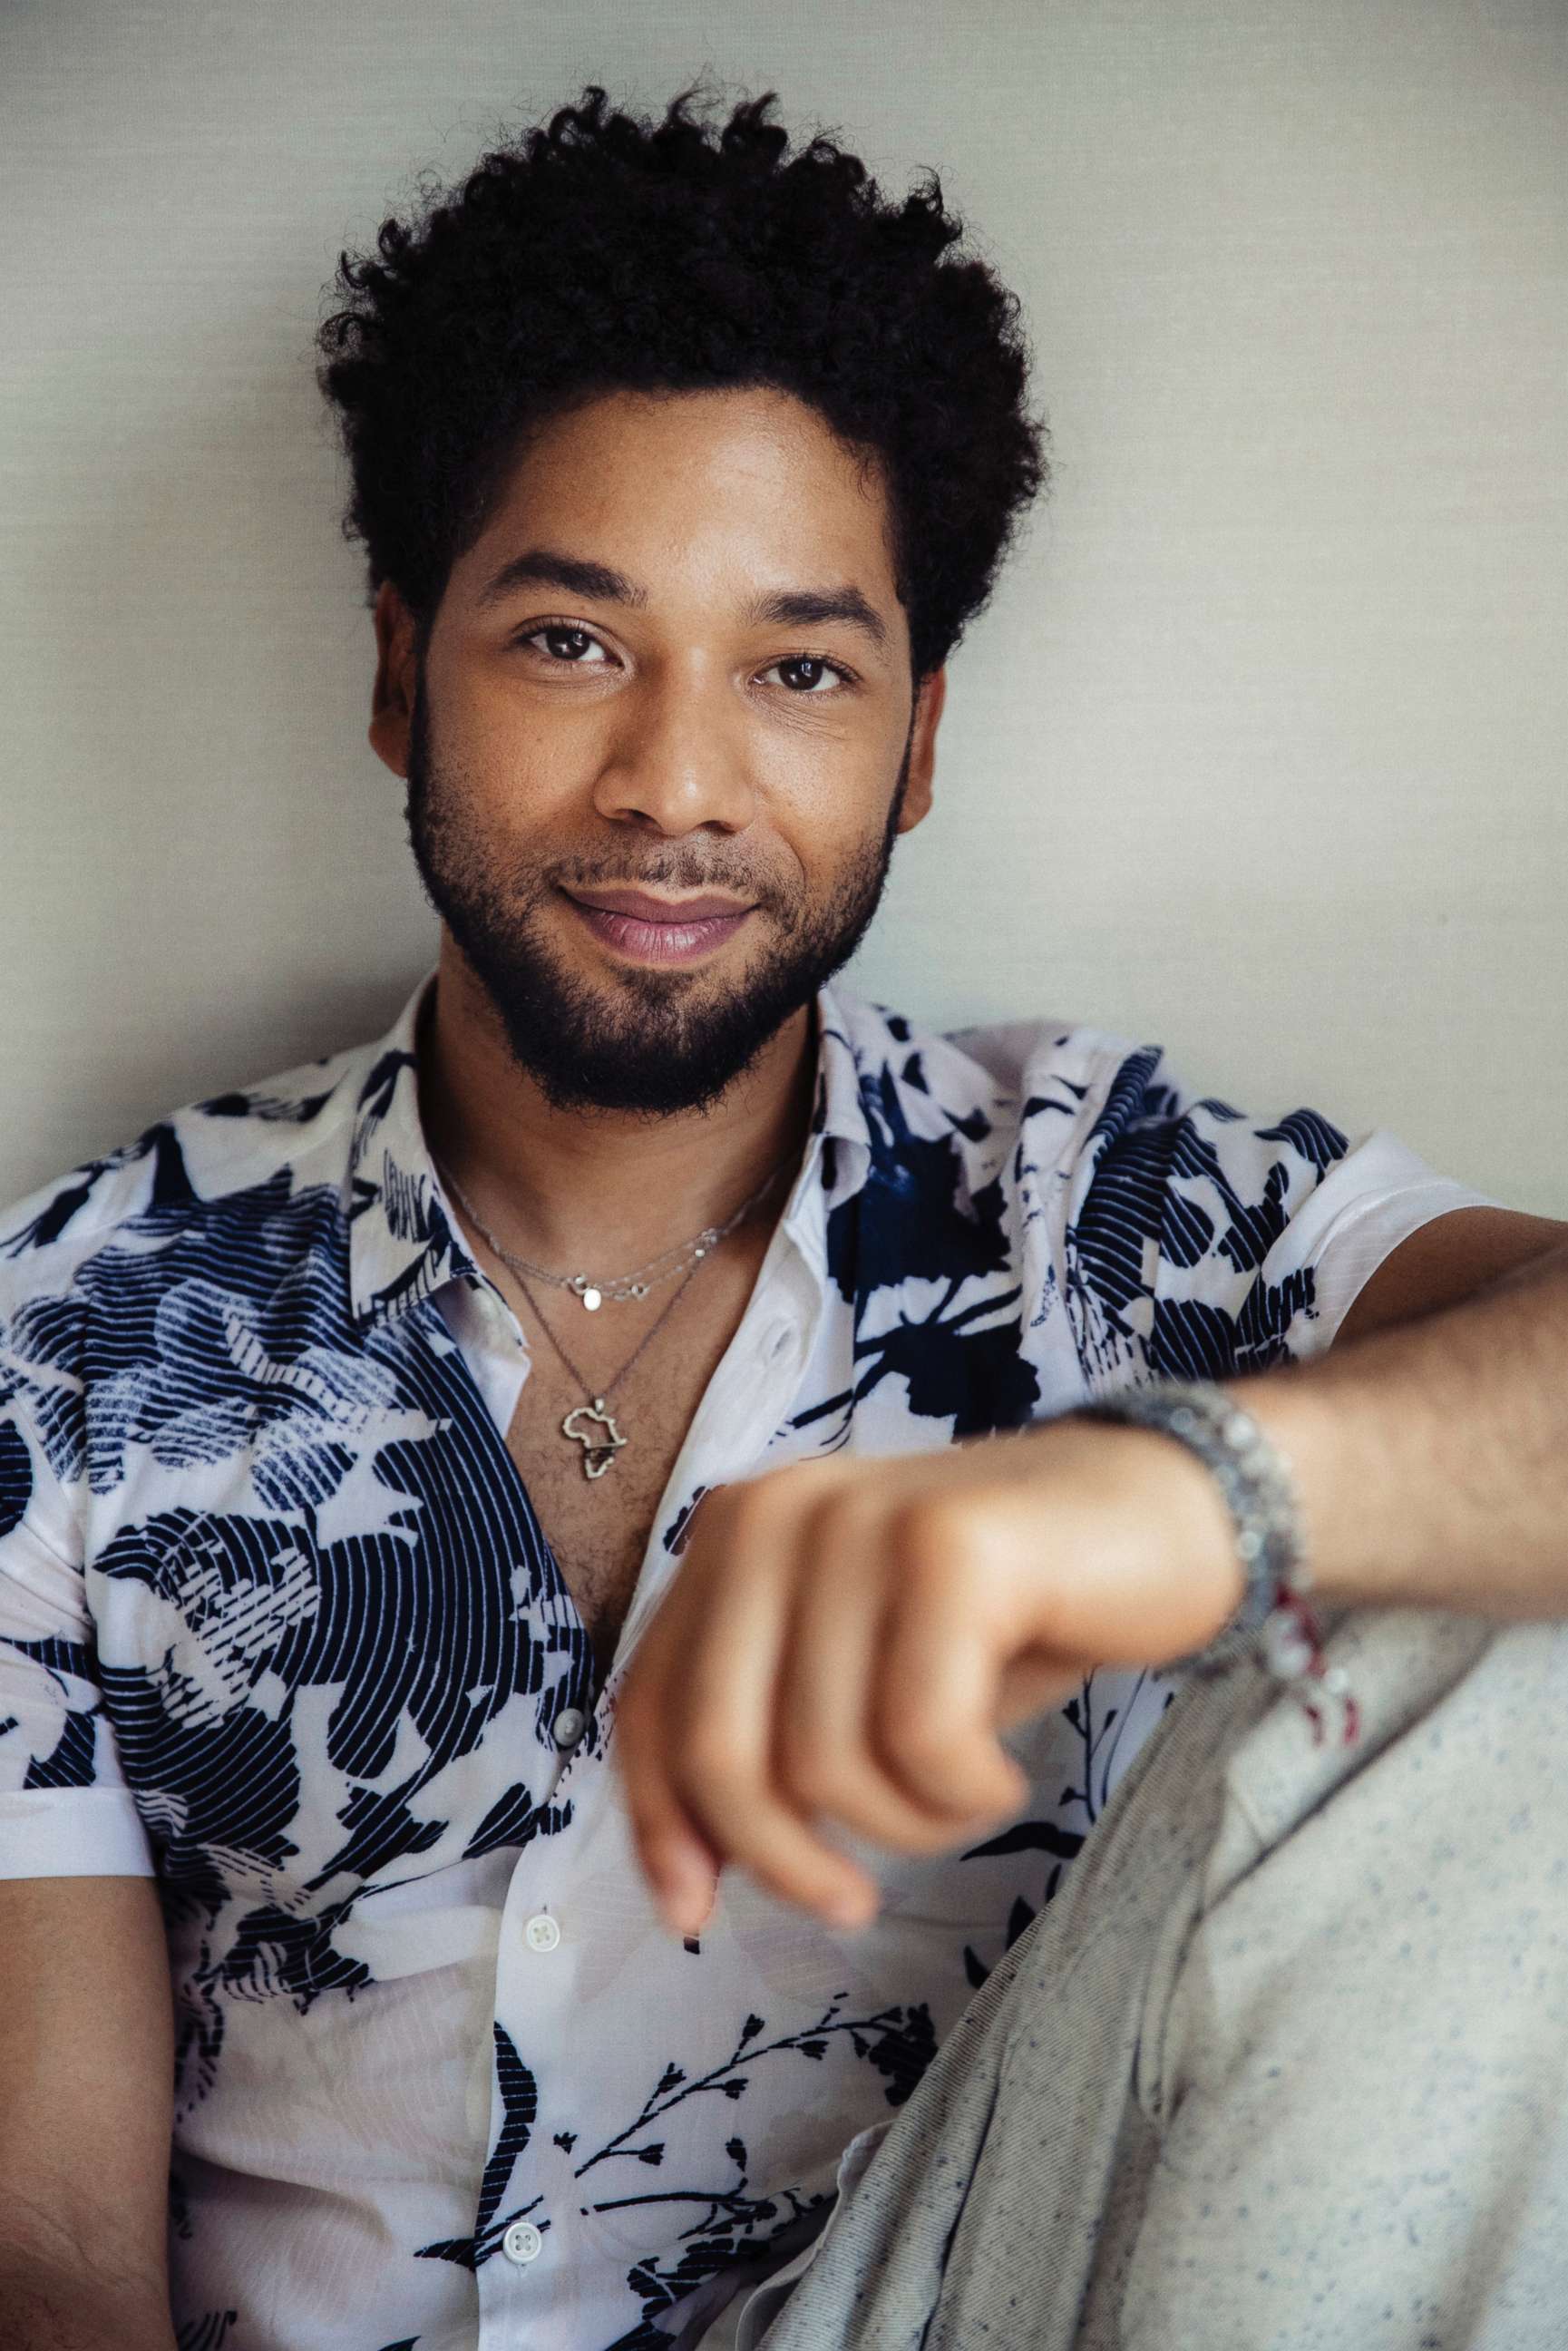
(538, 2252)
(529, 2236)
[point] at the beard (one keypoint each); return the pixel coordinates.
(649, 1041)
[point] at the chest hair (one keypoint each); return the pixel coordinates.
(597, 1527)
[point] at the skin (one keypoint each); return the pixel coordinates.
(847, 1639)
(844, 1640)
(802, 1669)
(689, 742)
(678, 732)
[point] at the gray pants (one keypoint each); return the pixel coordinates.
(1283, 2065)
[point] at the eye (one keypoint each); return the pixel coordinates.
(819, 669)
(567, 634)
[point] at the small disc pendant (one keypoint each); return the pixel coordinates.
(592, 1299)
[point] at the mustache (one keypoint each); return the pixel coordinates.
(670, 872)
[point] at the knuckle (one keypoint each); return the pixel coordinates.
(757, 1513)
(778, 1488)
(875, 1808)
(784, 1883)
(844, 1508)
(745, 1504)
(712, 1762)
(952, 1551)
(922, 1831)
(919, 1748)
(812, 1773)
(931, 1535)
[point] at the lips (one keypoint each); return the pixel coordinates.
(658, 930)
(645, 907)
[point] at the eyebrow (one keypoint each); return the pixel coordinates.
(548, 567)
(808, 608)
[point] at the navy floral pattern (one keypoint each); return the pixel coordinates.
(279, 1627)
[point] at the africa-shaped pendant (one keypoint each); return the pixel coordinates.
(598, 1450)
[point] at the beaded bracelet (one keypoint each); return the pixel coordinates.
(1273, 1620)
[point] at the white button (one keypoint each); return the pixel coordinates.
(541, 1934)
(522, 2242)
(567, 1728)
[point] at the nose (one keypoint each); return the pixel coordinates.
(679, 760)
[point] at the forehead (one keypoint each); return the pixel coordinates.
(714, 486)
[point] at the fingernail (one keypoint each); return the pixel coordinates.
(677, 1911)
(685, 1900)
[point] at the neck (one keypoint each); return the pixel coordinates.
(590, 1188)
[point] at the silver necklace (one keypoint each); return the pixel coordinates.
(602, 1443)
(626, 1286)
(598, 1446)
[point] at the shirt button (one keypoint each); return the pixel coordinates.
(541, 1934)
(522, 2242)
(567, 1728)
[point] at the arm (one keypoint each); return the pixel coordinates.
(846, 1637)
(1430, 1448)
(86, 2115)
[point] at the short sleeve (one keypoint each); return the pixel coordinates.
(65, 1809)
(1203, 1244)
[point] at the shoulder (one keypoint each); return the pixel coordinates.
(1183, 1233)
(1087, 1085)
(1130, 1116)
(270, 1138)
(1117, 1100)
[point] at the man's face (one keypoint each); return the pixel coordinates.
(607, 705)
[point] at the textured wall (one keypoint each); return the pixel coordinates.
(1260, 749)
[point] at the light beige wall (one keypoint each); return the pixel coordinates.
(1260, 748)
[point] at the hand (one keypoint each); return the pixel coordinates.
(845, 1639)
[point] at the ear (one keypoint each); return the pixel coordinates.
(392, 697)
(928, 705)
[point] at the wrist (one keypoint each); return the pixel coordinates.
(1275, 1623)
(1250, 1483)
(1321, 1446)
(1197, 1536)
(1162, 1575)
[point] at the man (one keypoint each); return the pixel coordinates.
(357, 1422)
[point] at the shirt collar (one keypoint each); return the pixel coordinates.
(402, 1242)
(839, 1149)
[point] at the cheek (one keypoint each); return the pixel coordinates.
(829, 813)
(511, 769)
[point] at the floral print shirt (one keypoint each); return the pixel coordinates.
(278, 1626)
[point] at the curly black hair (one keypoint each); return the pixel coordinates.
(603, 252)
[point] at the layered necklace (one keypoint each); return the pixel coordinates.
(591, 1424)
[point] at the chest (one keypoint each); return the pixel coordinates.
(311, 1621)
(598, 1527)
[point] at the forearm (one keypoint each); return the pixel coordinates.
(1431, 1458)
(44, 2308)
(847, 1636)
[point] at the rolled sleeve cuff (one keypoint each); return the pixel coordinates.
(73, 1833)
(1376, 1197)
